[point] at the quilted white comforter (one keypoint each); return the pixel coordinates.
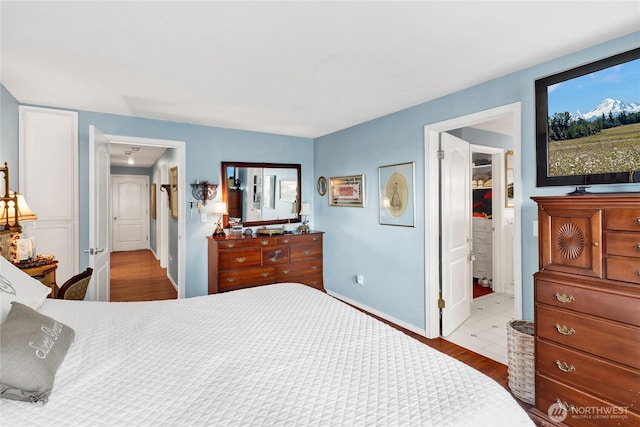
(282, 354)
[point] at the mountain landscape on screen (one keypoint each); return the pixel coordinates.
(608, 105)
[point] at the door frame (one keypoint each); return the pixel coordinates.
(180, 147)
(432, 216)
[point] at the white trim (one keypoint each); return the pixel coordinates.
(432, 216)
(380, 314)
(180, 147)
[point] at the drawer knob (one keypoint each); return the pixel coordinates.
(241, 259)
(565, 406)
(638, 246)
(564, 330)
(286, 240)
(231, 279)
(596, 244)
(264, 242)
(314, 267)
(638, 220)
(285, 271)
(638, 273)
(265, 274)
(564, 366)
(307, 252)
(563, 298)
(230, 245)
(314, 282)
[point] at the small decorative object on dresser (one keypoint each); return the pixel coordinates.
(587, 310)
(237, 262)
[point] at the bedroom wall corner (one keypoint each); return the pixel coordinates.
(9, 134)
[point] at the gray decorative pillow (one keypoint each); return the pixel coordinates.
(32, 348)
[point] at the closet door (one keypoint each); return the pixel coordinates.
(48, 157)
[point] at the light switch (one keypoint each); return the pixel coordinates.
(203, 217)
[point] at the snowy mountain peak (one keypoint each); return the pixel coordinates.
(608, 105)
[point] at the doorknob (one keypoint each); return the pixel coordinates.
(115, 218)
(93, 251)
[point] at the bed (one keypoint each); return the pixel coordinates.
(282, 354)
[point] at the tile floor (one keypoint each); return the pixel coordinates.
(485, 332)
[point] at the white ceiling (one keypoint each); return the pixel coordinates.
(142, 156)
(295, 68)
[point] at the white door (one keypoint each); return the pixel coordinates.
(456, 232)
(99, 172)
(129, 205)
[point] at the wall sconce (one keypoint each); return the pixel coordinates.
(204, 191)
(219, 208)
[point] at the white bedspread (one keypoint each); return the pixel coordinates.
(282, 354)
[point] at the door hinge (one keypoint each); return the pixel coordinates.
(440, 154)
(440, 301)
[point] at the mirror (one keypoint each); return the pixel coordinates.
(508, 167)
(261, 193)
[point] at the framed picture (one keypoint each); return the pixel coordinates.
(173, 200)
(288, 190)
(347, 191)
(397, 194)
(152, 201)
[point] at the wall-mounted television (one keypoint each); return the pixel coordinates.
(588, 124)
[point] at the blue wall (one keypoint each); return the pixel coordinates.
(392, 258)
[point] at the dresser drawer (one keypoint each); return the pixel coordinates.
(300, 238)
(597, 376)
(614, 341)
(588, 300)
(314, 280)
(240, 258)
(305, 251)
(482, 224)
(236, 279)
(483, 252)
(623, 269)
(245, 242)
(623, 244)
(482, 237)
(275, 255)
(584, 409)
(623, 219)
(302, 268)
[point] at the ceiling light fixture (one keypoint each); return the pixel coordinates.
(130, 159)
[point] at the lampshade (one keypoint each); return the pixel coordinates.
(305, 209)
(220, 208)
(24, 213)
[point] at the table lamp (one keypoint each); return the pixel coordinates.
(305, 210)
(219, 208)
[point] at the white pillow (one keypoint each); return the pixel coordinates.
(16, 285)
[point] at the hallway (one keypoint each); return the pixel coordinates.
(137, 276)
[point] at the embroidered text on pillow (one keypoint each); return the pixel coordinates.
(49, 340)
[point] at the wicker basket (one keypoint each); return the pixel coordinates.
(521, 360)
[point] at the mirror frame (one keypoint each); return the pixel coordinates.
(225, 180)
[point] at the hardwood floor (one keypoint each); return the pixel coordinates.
(137, 276)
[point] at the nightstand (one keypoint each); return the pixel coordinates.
(43, 270)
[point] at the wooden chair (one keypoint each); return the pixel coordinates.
(76, 287)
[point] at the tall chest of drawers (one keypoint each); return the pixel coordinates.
(587, 310)
(237, 262)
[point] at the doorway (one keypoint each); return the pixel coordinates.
(178, 156)
(509, 115)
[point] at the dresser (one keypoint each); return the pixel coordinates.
(483, 248)
(587, 311)
(237, 262)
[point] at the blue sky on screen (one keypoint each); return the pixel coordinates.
(586, 92)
